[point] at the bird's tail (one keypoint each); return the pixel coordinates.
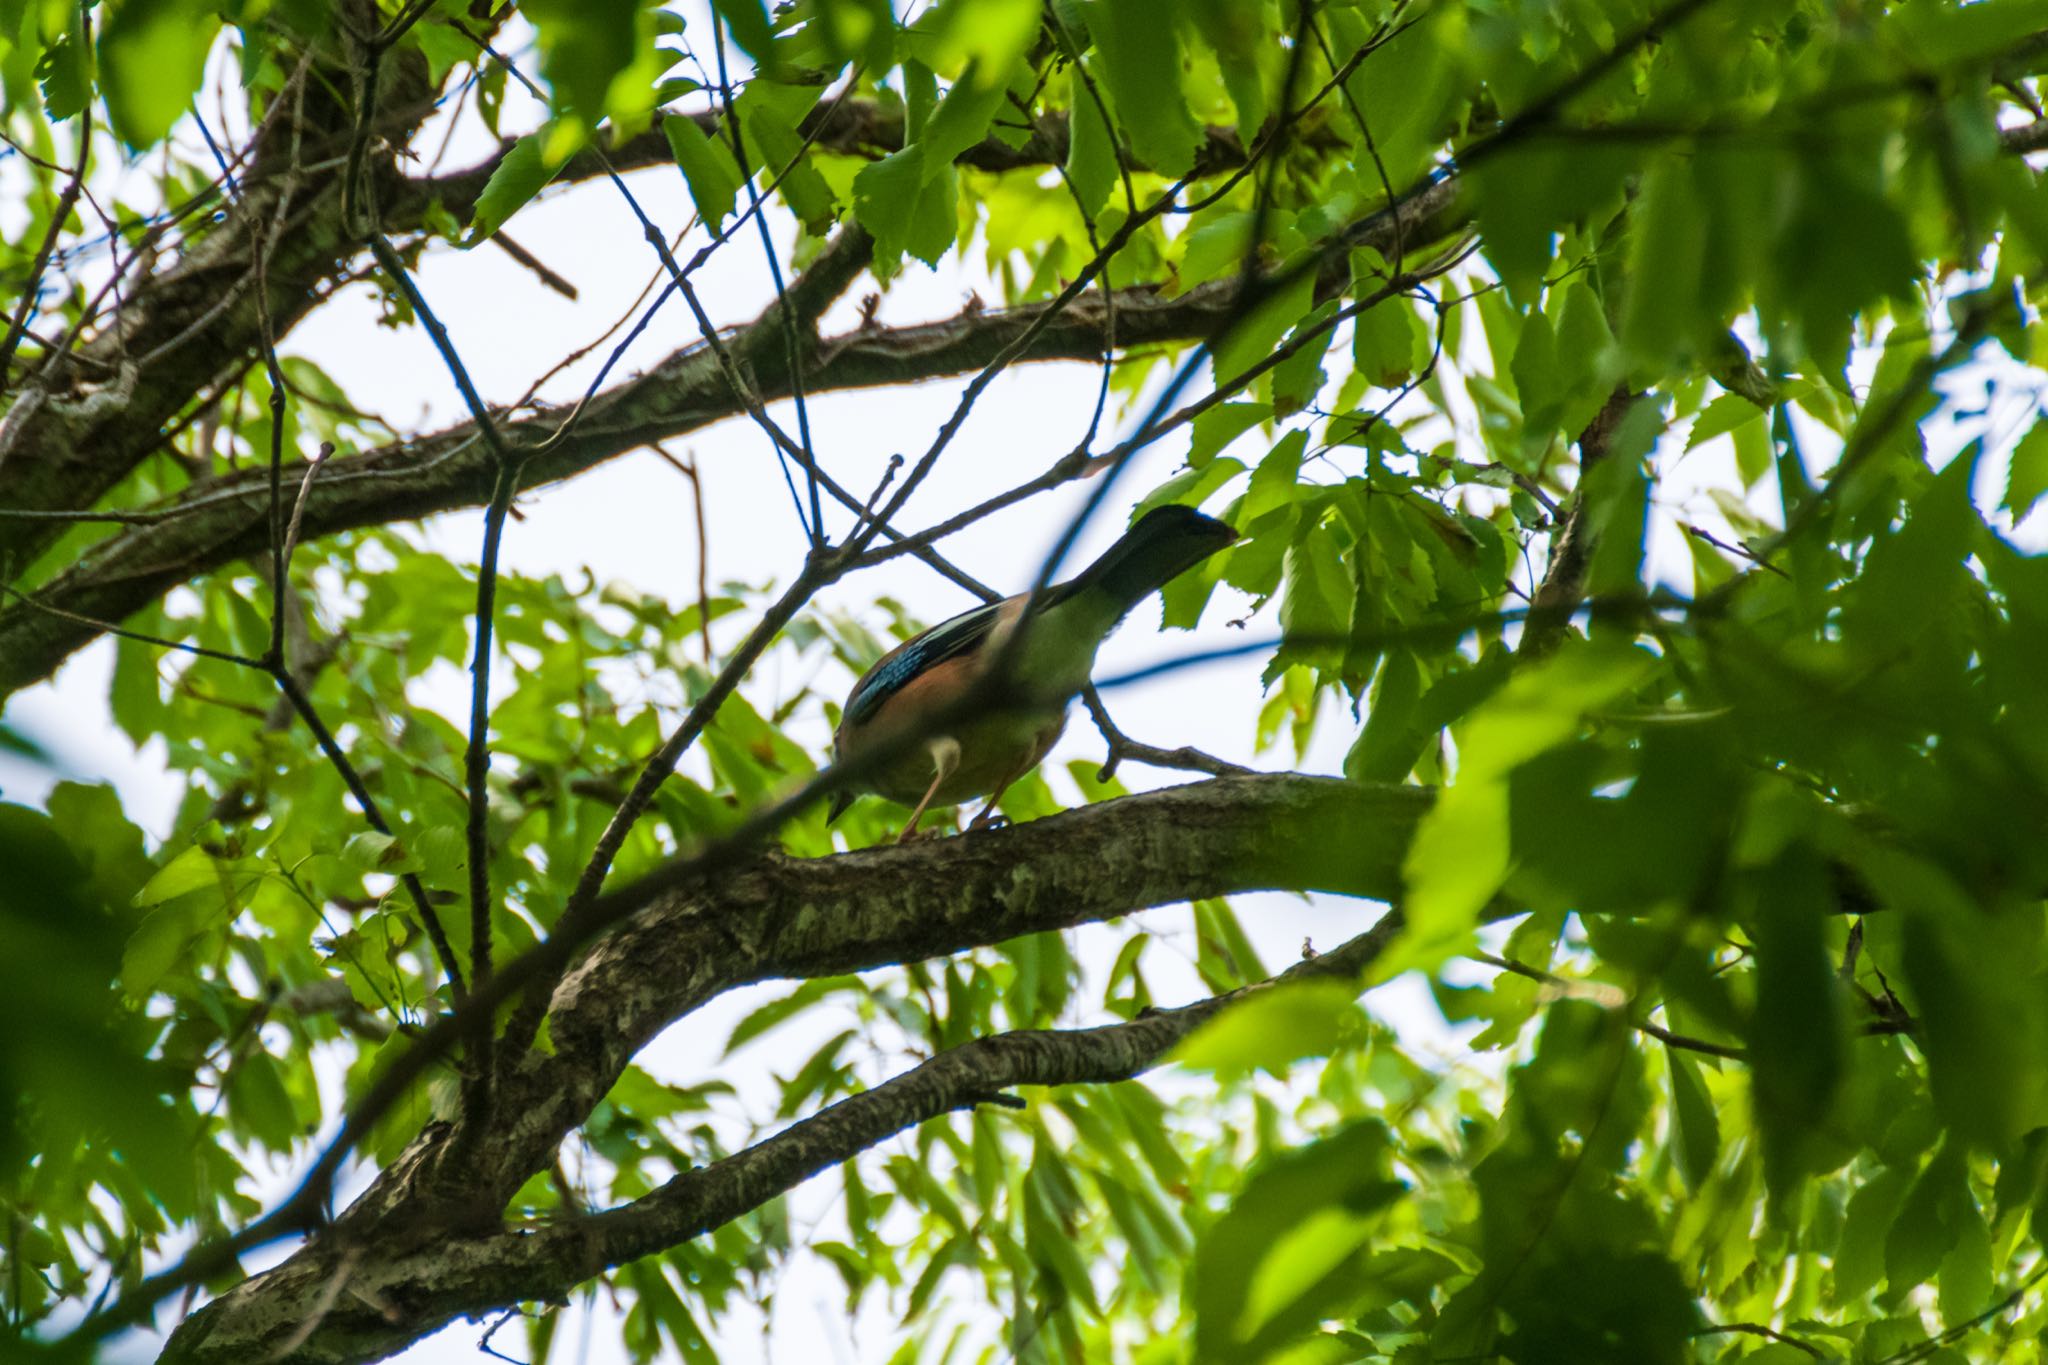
(1166, 542)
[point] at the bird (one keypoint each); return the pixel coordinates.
(982, 752)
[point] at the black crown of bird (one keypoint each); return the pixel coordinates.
(1047, 655)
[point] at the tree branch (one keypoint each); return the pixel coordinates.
(438, 1279)
(203, 529)
(778, 917)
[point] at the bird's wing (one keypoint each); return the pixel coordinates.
(943, 641)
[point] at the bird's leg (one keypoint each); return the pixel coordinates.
(990, 817)
(945, 751)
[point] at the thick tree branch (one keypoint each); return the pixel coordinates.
(206, 528)
(1571, 543)
(780, 917)
(196, 317)
(437, 1275)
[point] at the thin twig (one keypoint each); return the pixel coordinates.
(689, 471)
(141, 637)
(1585, 989)
(793, 351)
(291, 532)
(17, 326)
(727, 366)
(1122, 746)
(503, 241)
(1757, 1329)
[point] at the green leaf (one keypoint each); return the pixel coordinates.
(1256, 334)
(1696, 1128)
(1384, 341)
(1617, 493)
(1390, 742)
(1725, 414)
(1588, 358)
(1214, 248)
(1215, 429)
(2027, 478)
(788, 1007)
(160, 941)
(962, 117)
(708, 168)
(1859, 1253)
(152, 59)
(770, 122)
(1091, 150)
(905, 212)
(1236, 34)
(1141, 66)
(1290, 1248)
(992, 33)
(257, 1097)
(1928, 1223)
(65, 69)
(1795, 1036)
(1460, 855)
(1979, 1070)
(522, 173)
(1272, 1028)
(584, 45)
(371, 851)
(1666, 265)
(860, 30)
(1965, 1275)
(750, 26)
(192, 870)
(1315, 611)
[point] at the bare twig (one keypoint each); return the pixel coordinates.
(1122, 746)
(689, 471)
(503, 241)
(291, 531)
(17, 326)
(141, 637)
(1757, 1329)
(793, 350)
(1701, 533)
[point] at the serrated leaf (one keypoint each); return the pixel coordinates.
(1859, 1253)
(1383, 343)
(905, 212)
(1141, 65)
(523, 172)
(2027, 478)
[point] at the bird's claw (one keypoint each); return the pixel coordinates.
(988, 819)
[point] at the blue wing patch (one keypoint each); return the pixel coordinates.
(914, 656)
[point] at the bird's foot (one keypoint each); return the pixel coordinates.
(988, 819)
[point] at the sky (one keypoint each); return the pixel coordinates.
(631, 521)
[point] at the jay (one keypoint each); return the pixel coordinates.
(983, 751)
